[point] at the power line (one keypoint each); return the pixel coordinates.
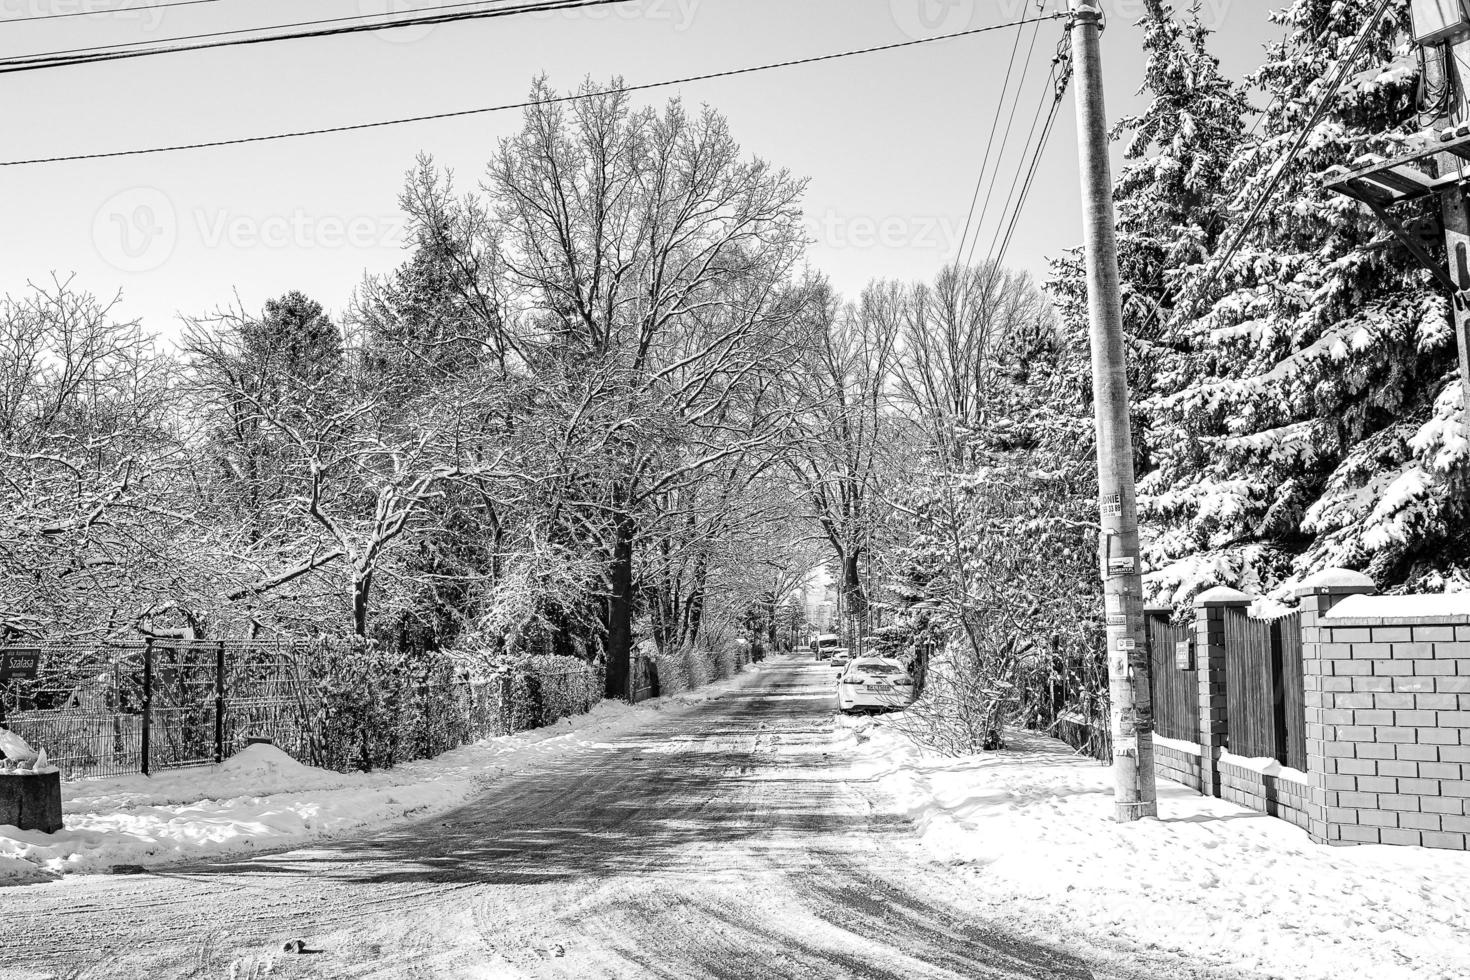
(1046, 131)
(1016, 177)
(1064, 59)
(117, 52)
(990, 140)
(1004, 140)
(103, 10)
(623, 89)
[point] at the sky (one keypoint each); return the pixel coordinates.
(892, 143)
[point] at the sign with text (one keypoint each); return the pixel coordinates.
(19, 664)
(1184, 655)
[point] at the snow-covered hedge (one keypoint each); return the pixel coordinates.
(695, 666)
(367, 708)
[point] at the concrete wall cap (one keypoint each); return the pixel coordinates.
(1221, 595)
(1336, 581)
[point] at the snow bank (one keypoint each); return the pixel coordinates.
(1209, 880)
(263, 799)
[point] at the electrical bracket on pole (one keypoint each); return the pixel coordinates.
(1380, 183)
(1416, 248)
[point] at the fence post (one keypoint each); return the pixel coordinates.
(219, 702)
(1317, 595)
(147, 740)
(1209, 659)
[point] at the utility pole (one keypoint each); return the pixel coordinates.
(1135, 795)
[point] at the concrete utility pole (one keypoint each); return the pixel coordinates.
(1132, 708)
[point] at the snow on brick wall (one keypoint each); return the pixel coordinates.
(1452, 607)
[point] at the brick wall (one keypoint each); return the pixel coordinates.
(1278, 795)
(1178, 765)
(1388, 717)
(1283, 795)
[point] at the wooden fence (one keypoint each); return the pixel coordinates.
(1264, 694)
(1175, 691)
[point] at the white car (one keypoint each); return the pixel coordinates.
(874, 684)
(841, 657)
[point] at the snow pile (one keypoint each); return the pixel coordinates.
(1210, 880)
(263, 799)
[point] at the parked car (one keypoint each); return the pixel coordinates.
(841, 657)
(874, 684)
(825, 644)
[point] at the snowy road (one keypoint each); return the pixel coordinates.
(723, 840)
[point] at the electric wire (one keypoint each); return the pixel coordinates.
(126, 50)
(1004, 140)
(482, 110)
(1046, 131)
(1047, 88)
(990, 141)
(103, 10)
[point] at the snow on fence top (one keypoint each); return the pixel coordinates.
(1452, 607)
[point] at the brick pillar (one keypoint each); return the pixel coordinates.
(1209, 660)
(1316, 596)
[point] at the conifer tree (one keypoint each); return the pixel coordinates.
(1304, 414)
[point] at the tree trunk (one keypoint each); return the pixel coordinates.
(619, 621)
(362, 586)
(694, 607)
(854, 600)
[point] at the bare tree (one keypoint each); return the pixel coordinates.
(849, 435)
(94, 536)
(631, 263)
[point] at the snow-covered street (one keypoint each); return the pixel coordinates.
(755, 834)
(725, 838)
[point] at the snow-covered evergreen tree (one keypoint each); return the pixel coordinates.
(1299, 408)
(1306, 419)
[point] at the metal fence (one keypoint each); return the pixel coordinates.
(142, 707)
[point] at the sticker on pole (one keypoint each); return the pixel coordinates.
(1111, 505)
(1125, 644)
(1122, 566)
